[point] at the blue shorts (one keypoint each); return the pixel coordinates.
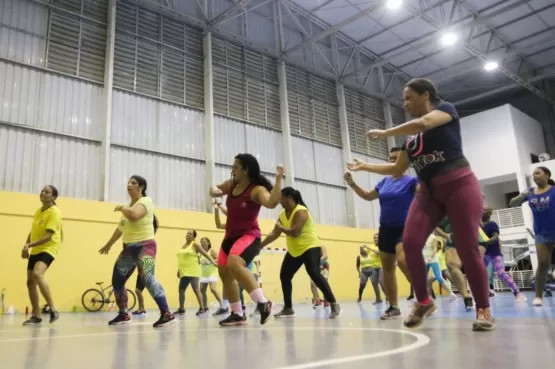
(547, 239)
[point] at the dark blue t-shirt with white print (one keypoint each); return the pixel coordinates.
(543, 211)
(430, 150)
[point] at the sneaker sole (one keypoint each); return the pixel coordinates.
(390, 317)
(480, 327)
(283, 316)
(164, 324)
(243, 322)
(120, 323)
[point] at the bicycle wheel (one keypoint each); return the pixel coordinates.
(92, 300)
(131, 299)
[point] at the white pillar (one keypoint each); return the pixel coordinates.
(346, 151)
(386, 109)
(108, 92)
(209, 118)
(285, 126)
(528, 219)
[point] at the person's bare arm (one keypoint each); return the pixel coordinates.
(368, 195)
(115, 236)
(398, 168)
(274, 235)
(220, 190)
(198, 248)
(520, 199)
(299, 219)
(324, 253)
(217, 219)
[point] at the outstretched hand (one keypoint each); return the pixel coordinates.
(280, 171)
(355, 165)
(374, 134)
(348, 177)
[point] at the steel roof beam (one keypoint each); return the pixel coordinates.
(504, 89)
(477, 53)
(222, 16)
(335, 28)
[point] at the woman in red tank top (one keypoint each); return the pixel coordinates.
(247, 191)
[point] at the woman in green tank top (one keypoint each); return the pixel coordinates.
(209, 274)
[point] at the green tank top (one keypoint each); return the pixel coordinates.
(208, 269)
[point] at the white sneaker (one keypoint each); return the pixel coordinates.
(537, 302)
(453, 297)
(521, 298)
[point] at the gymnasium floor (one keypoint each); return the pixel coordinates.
(525, 336)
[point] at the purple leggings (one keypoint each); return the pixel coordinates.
(499, 267)
(456, 194)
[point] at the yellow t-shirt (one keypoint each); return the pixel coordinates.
(370, 261)
(308, 239)
(48, 220)
(188, 263)
(208, 269)
(142, 229)
(442, 263)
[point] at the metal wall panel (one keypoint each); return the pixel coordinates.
(30, 160)
(329, 164)
(150, 124)
(173, 183)
(309, 192)
(229, 139)
(266, 145)
(368, 213)
(332, 205)
(303, 152)
(50, 102)
(24, 40)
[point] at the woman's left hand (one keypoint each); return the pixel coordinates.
(375, 133)
(118, 208)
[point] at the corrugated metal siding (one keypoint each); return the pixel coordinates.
(150, 124)
(303, 152)
(229, 139)
(313, 106)
(158, 56)
(309, 192)
(50, 102)
(333, 205)
(365, 113)
(245, 84)
(173, 183)
(266, 145)
(368, 212)
(24, 40)
(329, 164)
(398, 117)
(30, 160)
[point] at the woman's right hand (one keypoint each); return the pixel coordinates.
(215, 192)
(105, 250)
(355, 165)
(348, 177)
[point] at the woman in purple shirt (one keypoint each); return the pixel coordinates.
(447, 187)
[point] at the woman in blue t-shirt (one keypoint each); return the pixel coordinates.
(395, 194)
(544, 223)
(447, 187)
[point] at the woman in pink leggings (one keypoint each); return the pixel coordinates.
(447, 187)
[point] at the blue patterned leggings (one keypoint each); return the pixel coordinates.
(499, 268)
(139, 255)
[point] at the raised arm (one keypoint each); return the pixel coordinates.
(266, 198)
(217, 219)
(517, 201)
(362, 193)
(220, 190)
(398, 168)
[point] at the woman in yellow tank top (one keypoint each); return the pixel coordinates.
(209, 275)
(303, 247)
(189, 270)
(369, 266)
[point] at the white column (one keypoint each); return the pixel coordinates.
(209, 118)
(285, 126)
(346, 151)
(528, 218)
(108, 92)
(386, 109)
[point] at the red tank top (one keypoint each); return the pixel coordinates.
(242, 214)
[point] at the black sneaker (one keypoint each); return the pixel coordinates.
(411, 297)
(468, 303)
(200, 312)
(179, 312)
(32, 321)
(122, 318)
(221, 311)
(234, 319)
(54, 315)
(265, 310)
(285, 313)
(335, 310)
(165, 319)
(391, 313)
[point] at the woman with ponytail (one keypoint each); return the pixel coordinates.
(137, 226)
(303, 247)
(247, 191)
(543, 212)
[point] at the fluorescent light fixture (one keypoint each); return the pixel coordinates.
(449, 38)
(394, 4)
(490, 66)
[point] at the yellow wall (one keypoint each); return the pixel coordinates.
(89, 224)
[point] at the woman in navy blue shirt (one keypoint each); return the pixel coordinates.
(543, 210)
(447, 187)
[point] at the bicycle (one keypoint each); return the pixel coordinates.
(98, 298)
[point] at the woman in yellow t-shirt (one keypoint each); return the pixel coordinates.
(369, 266)
(189, 270)
(209, 275)
(303, 247)
(137, 227)
(41, 248)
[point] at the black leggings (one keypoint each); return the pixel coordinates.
(311, 260)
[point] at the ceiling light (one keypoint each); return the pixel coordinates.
(491, 65)
(394, 4)
(449, 38)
